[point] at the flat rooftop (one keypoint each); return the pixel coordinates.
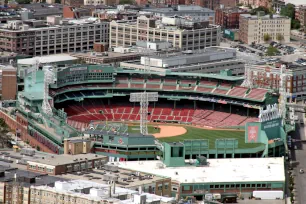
(266, 17)
(218, 170)
(22, 176)
(65, 159)
(46, 59)
(98, 55)
(97, 191)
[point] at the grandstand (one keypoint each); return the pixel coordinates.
(87, 94)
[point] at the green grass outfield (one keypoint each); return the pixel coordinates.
(198, 133)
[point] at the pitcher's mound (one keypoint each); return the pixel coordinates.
(169, 131)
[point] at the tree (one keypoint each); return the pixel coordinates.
(272, 51)
(260, 8)
(23, 1)
(288, 10)
(4, 130)
(279, 37)
(295, 24)
(126, 2)
(38, 148)
(266, 37)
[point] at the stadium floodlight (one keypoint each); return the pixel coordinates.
(49, 79)
(144, 98)
(249, 60)
(283, 92)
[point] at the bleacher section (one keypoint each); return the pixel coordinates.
(92, 110)
(257, 94)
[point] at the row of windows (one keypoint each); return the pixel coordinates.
(263, 185)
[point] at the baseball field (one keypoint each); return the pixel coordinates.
(176, 133)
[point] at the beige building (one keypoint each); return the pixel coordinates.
(181, 33)
(252, 29)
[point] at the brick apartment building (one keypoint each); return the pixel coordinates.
(9, 83)
(228, 17)
(300, 15)
(72, 12)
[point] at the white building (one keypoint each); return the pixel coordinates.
(81, 191)
(194, 12)
(240, 176)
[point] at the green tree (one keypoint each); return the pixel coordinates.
(272, 51)
(266, 37)
(288, 10)
(4, 130)
(37, 148)
(279, 37)
(126, 2)
(295, 24)
(260, 8)
(23, 1)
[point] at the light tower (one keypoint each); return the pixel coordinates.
(283, 92)
(249, 60)
(49, 79)
(144, 97)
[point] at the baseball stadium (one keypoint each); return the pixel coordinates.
(212, 115)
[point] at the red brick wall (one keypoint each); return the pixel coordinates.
(67, 12)
(11, 122)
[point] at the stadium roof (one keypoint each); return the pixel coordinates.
(47, 59)
(218, 170)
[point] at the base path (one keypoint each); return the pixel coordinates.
(169, 131)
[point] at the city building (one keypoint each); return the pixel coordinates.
(72, 12)
(8, 82)
(300, 15)
(24, 65)
(40, 11)
(61, 164)
(15, 184)
(197, 13)
(115, 14)
(106, 57)
(228, 18)
(74, 3)
(80, 191)
(34, 37)
(215, 4)
(253, 28)
(265, 76)
(7, 57)
(183, 34)
(101, 2)
(209, 60)
(275, 4)
(242, 178)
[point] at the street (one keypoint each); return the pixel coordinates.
(299, 161)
